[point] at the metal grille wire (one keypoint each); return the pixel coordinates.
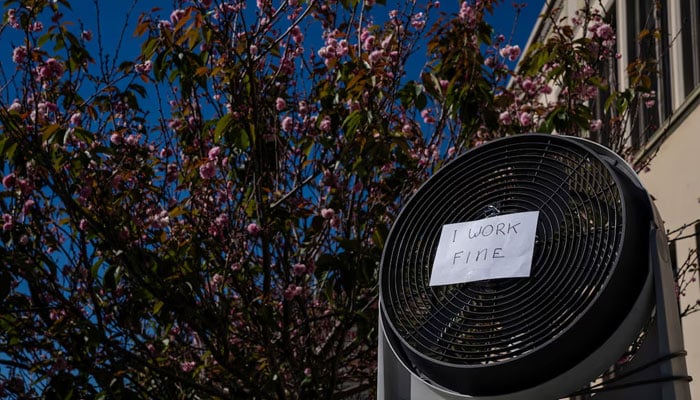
(579, 233)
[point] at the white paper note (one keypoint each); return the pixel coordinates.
(490, 248)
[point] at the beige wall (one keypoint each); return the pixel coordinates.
(674, 181)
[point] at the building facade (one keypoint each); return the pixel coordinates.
(664, 131)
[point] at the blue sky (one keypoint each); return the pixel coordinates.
(114, 14)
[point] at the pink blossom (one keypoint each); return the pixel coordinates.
(36, 27)
(208, 170)
(525, 118)
(15, 106)
(510, 52)
(353, 105)
(605, 31)
(19, 54)
(292, 291)
(418, 20)
(648, 99)
(327, 213)
(222, 220)
(528, 85)
(86, 35)
(159, 219)
(51, 69)
(342, 48)
(27, 206)
(299, 269)
(9, 180)
(176, 16)
(466, 13)
(325, 124)
(25, 186)
(287, 124)
(187, 366)
(595, 125)
(133, 140)
(376, 56)
(164, 25)
(76, 119)
(217, 279)
(116, 138)
(280, 104)
(47, 107)
(263, 4)
(175, 124)
(214, 153)
(368, 42)
(83, 225)
(253, 229)
(505, 118)
(12, 18)
(56, 315)
(514, 53)
(297, 35)
(427, 118)
(303, 107)
(144, 68)
(7, 222)
(590, 91)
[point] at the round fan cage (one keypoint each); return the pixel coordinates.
(589, 264)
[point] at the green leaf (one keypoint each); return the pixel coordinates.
(159, 66)
(421, 101)
(157, 306)
(352, 122)
(43, 39)
(95, 269)
(378, 235)
(50, 131)
(240, 139)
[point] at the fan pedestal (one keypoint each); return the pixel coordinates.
(395, 382)
(660, 361)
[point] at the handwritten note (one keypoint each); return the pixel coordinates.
(490, 248)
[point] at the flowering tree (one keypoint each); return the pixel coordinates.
(207, 218)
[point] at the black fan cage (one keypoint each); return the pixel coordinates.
(589, 264)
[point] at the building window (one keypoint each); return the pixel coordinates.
(647, 30)
(690, 37)
(608, 71)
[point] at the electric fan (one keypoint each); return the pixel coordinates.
(588, 295)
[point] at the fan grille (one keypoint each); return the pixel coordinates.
(578, 239)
